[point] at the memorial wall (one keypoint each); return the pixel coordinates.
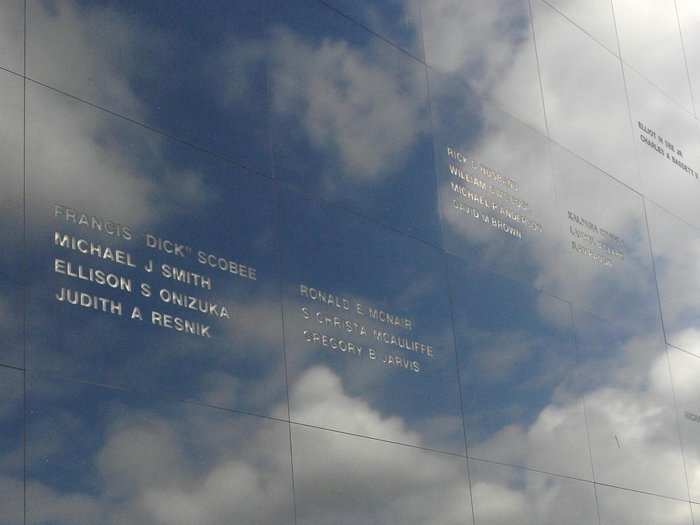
(331, 262)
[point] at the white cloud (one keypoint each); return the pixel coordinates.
(318, 396)
(490, 46)
(85, 158)
(621, 507)
(12, 35)
(350, 103)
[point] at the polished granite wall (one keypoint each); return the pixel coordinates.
(333, 262)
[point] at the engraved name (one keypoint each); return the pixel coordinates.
(343, 325)
(665, 148)
(590, 240)
(179, 283)
(486, 196)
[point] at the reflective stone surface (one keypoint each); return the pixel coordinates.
(490, 46)
(685, 370)
(651, 43)
(606, 266)
(350, 121)
(627, 507)
(12, 35)
(676, 245)
(12, 324)
(136, 280)
(367, 330)
(595, 17)
(11, 446)
(96, 453)
(380, 482)
(329, 261)
(632, 427)
(584, 98)
(12, 176)
(503, 494)
(688, 14)
(517, 357)
(494, 183)
(11, 219)
(397, 21)
(667, 141)
(194, 71)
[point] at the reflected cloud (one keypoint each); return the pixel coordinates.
(346, 101)
(77, 149)
(503, 495)
(396, 20)
(584, 97)
(490, 46)
(162, 464)
(380, 482)
(11, 326)
(176, 465)
(676, 254)
(319, 396)
(99, 159)
(685, 369)
(11, 181)
(11, 447)
(12, 35)
(594, 16)
(651, 42)
(185, 464)
(628, 508)
(84, 37)
(688, 13)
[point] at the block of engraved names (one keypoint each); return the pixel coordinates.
(667, 141)
(623, 376)
(158, 272)
(367, 330)
(494, 184)
(517, 357)
(360, 480)
(12, 446)
(101, 455)
(606, 264)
